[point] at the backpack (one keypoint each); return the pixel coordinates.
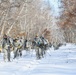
(6, 43)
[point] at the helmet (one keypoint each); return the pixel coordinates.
(5, 36)
(36, 35)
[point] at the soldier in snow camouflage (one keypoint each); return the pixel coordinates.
(6, 47)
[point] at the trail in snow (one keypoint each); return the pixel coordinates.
(58, 62)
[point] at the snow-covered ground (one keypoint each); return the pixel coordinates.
(55, 62)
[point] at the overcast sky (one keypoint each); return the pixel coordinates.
(54, 5)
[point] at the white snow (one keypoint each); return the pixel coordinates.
(55, 62)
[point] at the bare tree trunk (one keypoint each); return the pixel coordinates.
(16, 19)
